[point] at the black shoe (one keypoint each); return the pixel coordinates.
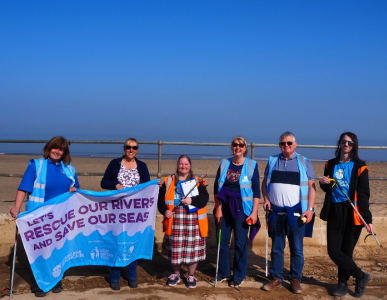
(115, 286)
(133, 284)
(57, 289)
(40, 294)
(361, 285)
(341, 289)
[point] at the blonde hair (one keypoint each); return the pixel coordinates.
(243, 140)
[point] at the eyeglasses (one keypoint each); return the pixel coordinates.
(130, 147)
(284, 143)
(236, 145)
(343, 142)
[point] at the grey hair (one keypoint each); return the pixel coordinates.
(285, 134)
(243, 139)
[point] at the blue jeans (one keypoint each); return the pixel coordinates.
(115, 272)
(278, 230)
(241, 230)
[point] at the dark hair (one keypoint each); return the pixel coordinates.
(355, 147)
(190, 174)
(58, 142)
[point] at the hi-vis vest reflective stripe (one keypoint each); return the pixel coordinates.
(169, 202)
(39, 188)
(244, 181)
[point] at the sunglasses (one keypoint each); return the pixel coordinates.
(343, 142)
(284, 143)
(236, 145)
(130, 147)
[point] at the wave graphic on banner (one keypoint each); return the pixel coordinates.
(110, 228)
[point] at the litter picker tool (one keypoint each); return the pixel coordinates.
(267, 234)
(217, 257)
(353, 206)
(14, 259)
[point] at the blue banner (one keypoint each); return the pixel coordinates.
(110, 228)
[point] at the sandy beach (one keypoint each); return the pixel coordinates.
(91, 282)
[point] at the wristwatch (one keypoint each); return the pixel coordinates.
(311, 208)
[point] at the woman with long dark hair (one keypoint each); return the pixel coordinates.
(343, 224)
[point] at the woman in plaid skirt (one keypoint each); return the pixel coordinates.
(186, 231)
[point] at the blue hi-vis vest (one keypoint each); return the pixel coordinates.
(39, 189)
(244, 181)
(304, 188)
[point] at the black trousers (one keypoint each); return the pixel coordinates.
(342, 236)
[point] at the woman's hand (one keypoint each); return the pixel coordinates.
(119, 187)
(168, 214)
(72, 189)
(369, 228)
(324, 180)
(218, 213)
(160, 183)
(14, 212)
(253, 217)
(187, 201)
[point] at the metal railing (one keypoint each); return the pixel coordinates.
(159, 174)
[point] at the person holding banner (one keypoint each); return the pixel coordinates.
(343, 224)
(185, 221)
(123, 172)
(236, 194)
(46, 178)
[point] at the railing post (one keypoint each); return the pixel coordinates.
(159, 160)
(252, 150)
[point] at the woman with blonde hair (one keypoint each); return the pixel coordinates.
(236, 194)
(123, 172)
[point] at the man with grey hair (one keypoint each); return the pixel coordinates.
(289, 193)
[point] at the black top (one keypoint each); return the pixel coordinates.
(358, 183)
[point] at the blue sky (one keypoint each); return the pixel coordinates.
(193, 70)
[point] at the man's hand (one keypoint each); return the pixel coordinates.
(308, 215)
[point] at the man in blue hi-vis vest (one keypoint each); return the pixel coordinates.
(289, 193)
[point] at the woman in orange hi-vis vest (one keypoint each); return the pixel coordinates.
(343, 224)
(185, 231)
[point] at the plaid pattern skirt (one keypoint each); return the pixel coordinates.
(185, 244)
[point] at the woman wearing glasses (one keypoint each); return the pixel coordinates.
(123, 172)
(343, 224)
(236, 195)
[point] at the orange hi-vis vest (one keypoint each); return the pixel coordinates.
(356, 217)
(169, 202)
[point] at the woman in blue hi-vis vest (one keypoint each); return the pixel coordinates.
(236, 194)
(46, 178)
